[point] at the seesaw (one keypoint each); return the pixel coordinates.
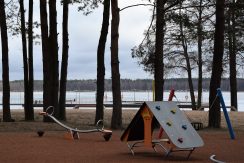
(74, 132)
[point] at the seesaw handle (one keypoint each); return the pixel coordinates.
(43, 113)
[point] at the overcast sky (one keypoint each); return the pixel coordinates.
(84, 32)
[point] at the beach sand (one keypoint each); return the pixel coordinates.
(84, 118)
(20, 142)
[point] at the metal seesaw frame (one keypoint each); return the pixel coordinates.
(74, 131)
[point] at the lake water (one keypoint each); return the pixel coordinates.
(90, 97)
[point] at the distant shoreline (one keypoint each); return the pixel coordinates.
(110, 108)
(180, 84)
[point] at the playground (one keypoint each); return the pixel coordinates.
(20, 142)
(28, 147)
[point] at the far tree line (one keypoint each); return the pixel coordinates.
(183, 36)
(178, 84)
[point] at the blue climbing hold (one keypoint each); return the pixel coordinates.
(157, 107)
(184, 127)
(180, 140)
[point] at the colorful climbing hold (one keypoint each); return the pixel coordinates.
(180, 140)
(184, 127)
(157, 107)
(173, 111)
(169, 123)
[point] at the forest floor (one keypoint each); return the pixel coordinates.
(20, 143)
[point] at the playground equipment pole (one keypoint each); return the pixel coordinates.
(219, 94)
(171, 94)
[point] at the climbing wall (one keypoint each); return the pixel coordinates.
(175, 124)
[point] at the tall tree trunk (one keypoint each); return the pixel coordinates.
(116, 122)
(25, 60)
(217, 69)
(100, 61)
(45, 57)
(53, 47)
(158, 60)
(188, 65)
(232, 54)
(64, 66)
(190, 83)
(5, 64)
(30, 110)
(199, 48)
(188, 68)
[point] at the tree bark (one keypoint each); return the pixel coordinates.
(188, 66)
(5, 64)
(25, 60)
(53, 47)
(116, 122)
(215, 82)
(199, 48)
(64, 67)
(100, 61)
(158, 60)
(45, 57)
(30, 111)
(232, 54)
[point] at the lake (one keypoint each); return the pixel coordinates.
(76, 97)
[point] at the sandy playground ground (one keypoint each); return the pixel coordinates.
(20, 143)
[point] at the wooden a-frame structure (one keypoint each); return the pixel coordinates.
(180, 135)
